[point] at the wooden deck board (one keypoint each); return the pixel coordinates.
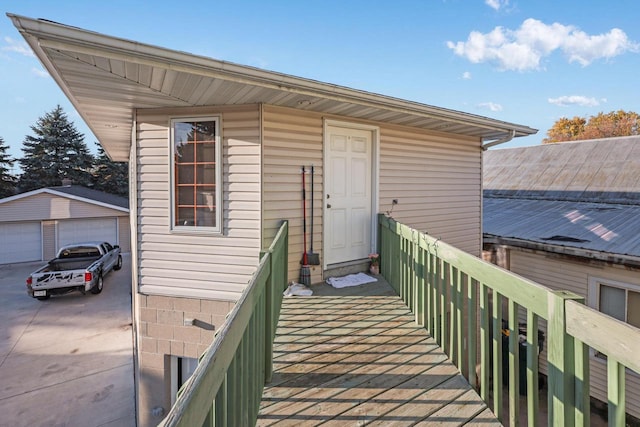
(343, 359)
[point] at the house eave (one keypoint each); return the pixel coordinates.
(569, 251)
(108, 78)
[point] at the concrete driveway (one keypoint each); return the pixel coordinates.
(67, 361)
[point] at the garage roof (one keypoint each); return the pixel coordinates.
(77, 192)
(108, 78)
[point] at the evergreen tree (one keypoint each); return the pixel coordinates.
(109, 176)
(56, 151)
(7, 180)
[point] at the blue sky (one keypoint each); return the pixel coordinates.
(527, 62)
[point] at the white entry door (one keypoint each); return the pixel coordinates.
(347, 197)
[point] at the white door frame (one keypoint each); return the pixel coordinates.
(375, 167)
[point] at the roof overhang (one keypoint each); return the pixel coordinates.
(569, 251)
(107, 79)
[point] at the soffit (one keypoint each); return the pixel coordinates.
(107, 79)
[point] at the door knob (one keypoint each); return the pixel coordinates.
(328, 206)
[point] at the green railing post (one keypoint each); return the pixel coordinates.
(472, 327)
(532, 368)
(420, 289)
(485, 345)
(496, 328)
(430, 303)
(583, 399)
(269, 327)
(616, 392)
(514, 364)
(561, 397)
(459, 320)
(220, 405)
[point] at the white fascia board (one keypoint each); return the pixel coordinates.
(58, 36)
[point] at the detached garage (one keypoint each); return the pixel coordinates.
(34, 225)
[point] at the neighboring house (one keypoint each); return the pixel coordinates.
(567, 216)
(34, 225)
(216, 151)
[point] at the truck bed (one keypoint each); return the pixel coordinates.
(58, 264)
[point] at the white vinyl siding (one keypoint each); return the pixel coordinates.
(199, 265)
(437, 180)
(435, 177)
(292, 139)
(574, 276)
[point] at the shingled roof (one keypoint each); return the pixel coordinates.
(88, 193)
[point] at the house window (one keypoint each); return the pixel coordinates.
(196, 174)
(616, 299)
(181, 370)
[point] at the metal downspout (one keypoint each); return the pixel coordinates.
(500, 141)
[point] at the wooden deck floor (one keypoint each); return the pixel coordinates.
(354, 357)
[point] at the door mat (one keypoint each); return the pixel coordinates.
(350, 280)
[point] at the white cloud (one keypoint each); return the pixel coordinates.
(490, 106)
(496, 4)
(19, 47)
(466, 75)
(583, 101)
(40, 72)
(524, 48)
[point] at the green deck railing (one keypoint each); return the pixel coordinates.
(460, 300)
(226, 387)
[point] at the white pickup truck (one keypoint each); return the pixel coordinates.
(79, 267)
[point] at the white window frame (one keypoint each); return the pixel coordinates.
(593, 299)
(176, 375)
(219, 168)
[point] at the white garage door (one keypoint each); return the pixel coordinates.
(21, 242)
(87, 230)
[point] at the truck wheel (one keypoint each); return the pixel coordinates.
(98, 286)
(43, 298)
(118, 265)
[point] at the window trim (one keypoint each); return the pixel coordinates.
(175, 375)
(218, 173)
(593, 300)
